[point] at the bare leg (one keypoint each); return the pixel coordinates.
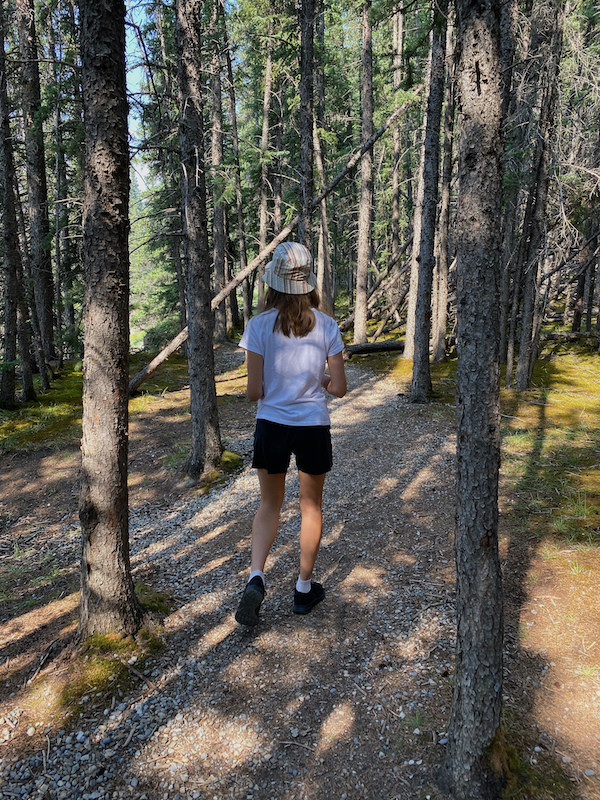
(311, 497)
(266, 521)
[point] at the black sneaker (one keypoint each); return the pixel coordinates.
(254, 593)
(306, 601)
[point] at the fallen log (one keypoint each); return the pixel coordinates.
(374, 347)
(568, 337)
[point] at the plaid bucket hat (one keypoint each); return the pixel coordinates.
(291, 269)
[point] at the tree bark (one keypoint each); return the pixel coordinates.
(397, 38)
(363, 254)
(108, 601)
(206, 449)
(477, 694)
(421, 378)
(263, 214)
(10, 236)
(324, 273)
(443, 241)
(216, 151)
(240, 228)
(39, 225)
(306, 21)
(533, 233)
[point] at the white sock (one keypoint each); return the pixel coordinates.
(303, 586)
(258, 572)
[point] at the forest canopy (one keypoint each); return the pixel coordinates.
(367, 61)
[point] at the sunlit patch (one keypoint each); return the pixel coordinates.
(333, 534)
(214, 564)
(212, 534)
(215, 741)
(403, 559)
(384, 486)
(336, 728)
(26, 623)
(215, 636)
(363, 585)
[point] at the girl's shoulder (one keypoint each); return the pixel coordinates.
(324, 319)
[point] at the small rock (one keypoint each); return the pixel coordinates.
(589, 773)
(566, 760)
(30, 730)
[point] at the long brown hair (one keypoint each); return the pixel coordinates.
(295, 313)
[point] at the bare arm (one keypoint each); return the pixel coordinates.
(335, 382)
(254, 362)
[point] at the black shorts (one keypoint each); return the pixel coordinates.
(274, 444)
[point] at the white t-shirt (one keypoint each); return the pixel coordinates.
(293, 368)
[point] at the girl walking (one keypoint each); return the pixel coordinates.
(287, 347)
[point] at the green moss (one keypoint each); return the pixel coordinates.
(98, 675)
(230, 461)
(155, 602)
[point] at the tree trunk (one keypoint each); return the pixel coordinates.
(363, 254)
(421, 378)
(108, 601)
(39, 225)
(477, 694)
(15, 309)
(533, 234)
(240, 230)
(206, 449)
(220, 325)
(397, 37)
(324, 276)
(306, 21)
(263, 215)
(443, 264)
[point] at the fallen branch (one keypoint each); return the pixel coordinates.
(176, 343)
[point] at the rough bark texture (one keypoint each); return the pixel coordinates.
(477, 695)
(397, 37)
(10, 234)
(216, 152)
(324, 273)
(363, 253)
(421, 378)
(206, 449)
(263, 215)
(306, 13)
(108, 602)
(39, 225)
(533, 234)
(443, 244)
(240, 228)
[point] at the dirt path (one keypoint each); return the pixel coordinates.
(351, 701)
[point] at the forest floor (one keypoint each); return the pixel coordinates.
(351, 701)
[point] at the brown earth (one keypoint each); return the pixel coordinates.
(552, 690)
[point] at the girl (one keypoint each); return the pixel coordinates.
(287, 347)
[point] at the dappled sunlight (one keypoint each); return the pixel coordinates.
(215, 636)
(332, 534)
(364, 585)
(216, 742)
(337, 728)
(26, 623)
(214, 564)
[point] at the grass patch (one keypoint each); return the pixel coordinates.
(155, 602)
